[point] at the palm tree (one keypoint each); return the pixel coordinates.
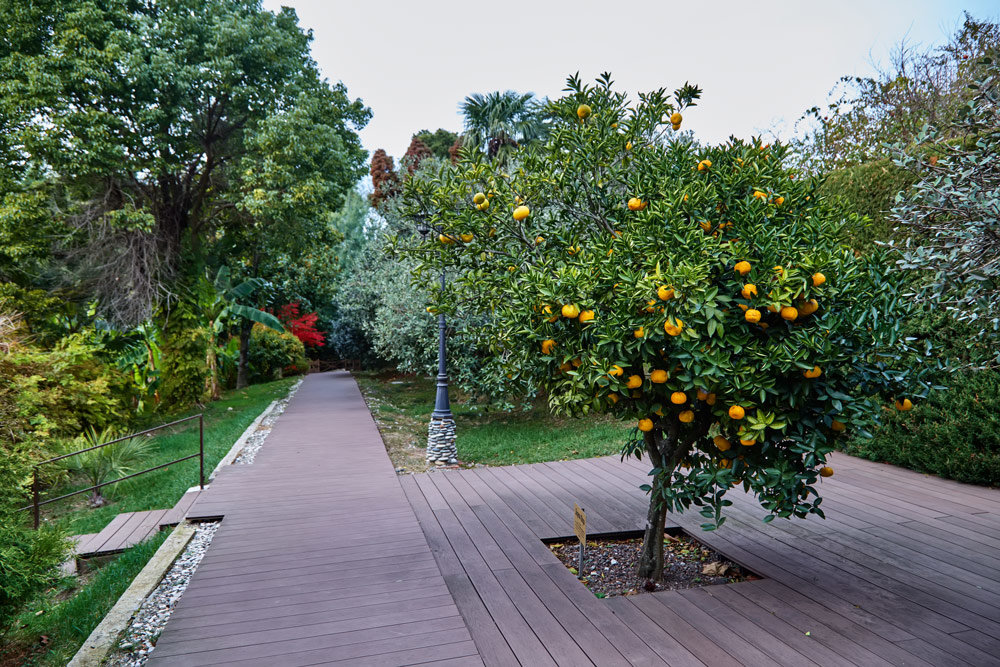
(217, 300)
(500, 122)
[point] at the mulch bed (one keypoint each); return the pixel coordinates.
(610, 565)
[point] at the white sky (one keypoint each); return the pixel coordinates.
(760, 63)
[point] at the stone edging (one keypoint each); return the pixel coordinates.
(103, 638)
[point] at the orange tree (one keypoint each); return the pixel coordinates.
(700, 292)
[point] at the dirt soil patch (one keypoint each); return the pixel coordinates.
(610, 565)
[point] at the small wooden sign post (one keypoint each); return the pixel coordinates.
(580, 528)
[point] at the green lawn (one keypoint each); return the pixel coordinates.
(402, 406)
(225, 421)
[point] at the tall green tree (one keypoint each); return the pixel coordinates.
(163, 127)
(499, 122)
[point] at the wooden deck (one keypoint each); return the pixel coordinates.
(129, 528)
(905, 571)
(319, 558)
(325, 556)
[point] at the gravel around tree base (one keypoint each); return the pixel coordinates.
(610, 566)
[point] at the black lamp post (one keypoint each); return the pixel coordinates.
(441, 448)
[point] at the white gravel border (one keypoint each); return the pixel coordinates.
(139, 638)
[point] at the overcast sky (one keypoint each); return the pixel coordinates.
(760, 64)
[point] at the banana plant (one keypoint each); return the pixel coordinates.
(218, 300)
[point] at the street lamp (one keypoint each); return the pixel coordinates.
(441, 448)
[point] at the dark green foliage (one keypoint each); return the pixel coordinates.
(28, 558)
(68, 623)
(439, 142)
(184, 349)
(275, 355)
(954, 433)
(869, 190)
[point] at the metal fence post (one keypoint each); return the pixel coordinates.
(34, 493)
(201, 451)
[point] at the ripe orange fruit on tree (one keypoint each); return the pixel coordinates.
(478, 198)
(521, 212)
(676, 118)
(636, 204)
(483, 206)
(583, 111)
(565, 366)
(749, 442)
(779, 201)
(628, 146)
(737, 412)
(808, 307)
(634, 382)
(704, 165)
(673, 328)
(447, 240)
(547, 345)
(587, 316)
(687, 416)
(467, 237)
(665, 293)
(658, 376)
(749, 291)
(571, 311)
(640, 332)
(789, 313)
(721, 443)
(759, 195)
(905, 405)
(826, 471)
(613, 397)
(678, 398)
(742, 268)
(676, 126)
(616, 371)
(837, 426)
(814, 373)
(645, 425)
(702, 394)
(711, 399)
(818, 279)
(725, 463)
(752, 316)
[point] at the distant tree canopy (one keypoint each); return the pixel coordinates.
(439, 142)
(498, 123)
(137, 135)
(866, 114)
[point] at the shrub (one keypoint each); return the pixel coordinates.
(275, 355)
(28, 558)
(59, 392)
(107, 463)
(954, 433)
(869, 190)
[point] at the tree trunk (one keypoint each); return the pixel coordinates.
(651, 560)
(241, 371)
(214, 391)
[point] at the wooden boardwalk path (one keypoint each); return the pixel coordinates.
(319, 558)
(129, 528)
(905, 571)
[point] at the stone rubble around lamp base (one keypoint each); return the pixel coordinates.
(441, 448)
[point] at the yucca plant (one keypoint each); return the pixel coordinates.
(106, 463)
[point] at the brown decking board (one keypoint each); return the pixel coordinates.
(901, 573)
(319, 558)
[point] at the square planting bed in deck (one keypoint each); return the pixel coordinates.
(612, 559)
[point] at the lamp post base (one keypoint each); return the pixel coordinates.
(441, 448)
